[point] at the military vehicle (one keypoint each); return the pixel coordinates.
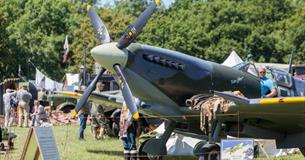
(299, 71)
(61, 102)
(66, 104)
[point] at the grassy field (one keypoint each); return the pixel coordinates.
(70, 148)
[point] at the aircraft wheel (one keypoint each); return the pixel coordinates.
(209, 149)
(144, 156)
(302, 151)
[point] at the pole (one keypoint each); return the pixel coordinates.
(1, 99)
(19, 71)
(84, 78)
(28, 69)
(291, 59)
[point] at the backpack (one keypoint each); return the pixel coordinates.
(14, 101)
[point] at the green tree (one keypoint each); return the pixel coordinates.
(209, 29)
(130, 7)
(39, 30)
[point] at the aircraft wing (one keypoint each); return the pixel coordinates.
(281, 118)
(108, 99)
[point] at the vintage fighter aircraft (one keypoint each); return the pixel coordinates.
(164, 79)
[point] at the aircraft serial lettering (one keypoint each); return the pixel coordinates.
(236, 81)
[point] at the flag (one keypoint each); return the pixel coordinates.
(66, 50)
(39, 79)
(19, 70)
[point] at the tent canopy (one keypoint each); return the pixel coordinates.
(232, 59)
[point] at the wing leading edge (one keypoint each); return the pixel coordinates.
(261, 101)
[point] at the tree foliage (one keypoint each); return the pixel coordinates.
(209, 29)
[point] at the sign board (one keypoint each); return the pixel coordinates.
(237, 149)
(40, 144)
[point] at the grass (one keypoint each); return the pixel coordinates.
(70, 148)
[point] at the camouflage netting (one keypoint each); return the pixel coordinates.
(208, 107)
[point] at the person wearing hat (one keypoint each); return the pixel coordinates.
(24, 97)
(9, 109)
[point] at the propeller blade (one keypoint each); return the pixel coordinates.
(98, 25)
(88, 91)
(134, 30)
(128, 97)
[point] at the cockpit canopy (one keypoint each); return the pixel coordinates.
(286, 84)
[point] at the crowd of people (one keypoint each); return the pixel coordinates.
(19, 112)
(18, 109)
(18, 101)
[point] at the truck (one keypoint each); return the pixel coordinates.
(65, 103)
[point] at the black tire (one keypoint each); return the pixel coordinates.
(144, 156)
(67, 108)
(210, 149)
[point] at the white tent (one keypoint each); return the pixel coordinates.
(178, 144)
(232, 59)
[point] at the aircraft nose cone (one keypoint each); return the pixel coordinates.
(107, 55)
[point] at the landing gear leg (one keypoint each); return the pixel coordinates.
(154, 148)
(215, 131)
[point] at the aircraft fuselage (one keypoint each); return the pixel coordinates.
(166, 79)
(180, 76)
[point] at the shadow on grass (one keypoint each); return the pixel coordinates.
(113, 153)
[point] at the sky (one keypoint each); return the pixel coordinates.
(111, 2)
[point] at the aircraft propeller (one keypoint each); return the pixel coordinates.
(103, 36)
(117, 52)
(134, 30)
(128, 97)
(88, 91)
(99, 28)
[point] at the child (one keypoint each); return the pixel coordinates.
(39, 114)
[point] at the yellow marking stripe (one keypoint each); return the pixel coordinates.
(282, 100)
(70, 93)
(157, 2)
